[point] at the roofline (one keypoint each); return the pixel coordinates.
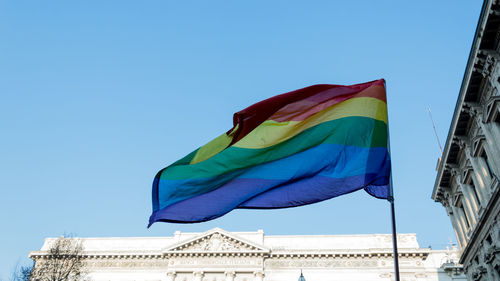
(235, 233)
(463, 89)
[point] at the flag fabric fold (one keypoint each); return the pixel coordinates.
(293, 149)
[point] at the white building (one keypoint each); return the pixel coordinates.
(218, 255)
(468, 182)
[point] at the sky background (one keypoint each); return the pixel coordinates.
(97, 96)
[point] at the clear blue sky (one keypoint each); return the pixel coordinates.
(97, 96)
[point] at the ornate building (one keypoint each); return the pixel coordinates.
(467, 182)
(217, 255)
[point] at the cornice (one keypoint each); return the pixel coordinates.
(216, 242)
(416, 253)
(89, 255)
(479, 232)
(379, 254)
(463, 90)
(215, 254)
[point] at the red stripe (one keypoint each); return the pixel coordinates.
(303, 109)
(252, 116)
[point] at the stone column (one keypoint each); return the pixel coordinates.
(198, 276)
(492, 151)
(491, 148)
(491, 272)
(479, 175)
(483, 171)
(456, 226)
(461, 220)
(480, 190)
(258, 276)
(229, 275)
(480, 169)
(171, 275)
(494, 130)
(469, 212)
(459, 240)
(469, 202)
(491, 133)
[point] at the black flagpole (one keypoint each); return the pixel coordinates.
(394, 237)
(393, 214)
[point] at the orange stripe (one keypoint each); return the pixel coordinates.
(301, 110)
(271, 132)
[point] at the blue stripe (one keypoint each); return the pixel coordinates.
(263, 194)
(326, 161)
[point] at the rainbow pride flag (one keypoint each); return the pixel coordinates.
(293, 149)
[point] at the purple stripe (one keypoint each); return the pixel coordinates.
(307, 191)
(261, 193)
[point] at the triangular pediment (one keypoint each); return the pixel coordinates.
(216, 241)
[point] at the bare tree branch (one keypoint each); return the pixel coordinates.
(63, 262)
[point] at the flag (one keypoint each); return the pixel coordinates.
(293, 149)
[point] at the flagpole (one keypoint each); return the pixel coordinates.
(393, 212)
(394, 237)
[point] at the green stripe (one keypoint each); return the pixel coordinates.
(186, 159)
(349, 131)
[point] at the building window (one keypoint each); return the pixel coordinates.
(496, 272)
(460, 208)
(488, 240)
(497, 117)
(487, 161)
(475, 195)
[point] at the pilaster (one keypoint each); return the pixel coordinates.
(171, 275)
(457, 226)
(229, 275)
(470, 204)
(481, 180)
(258, 276)
(198, 275)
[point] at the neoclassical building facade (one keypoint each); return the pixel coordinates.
(467, 182)
(218, 255)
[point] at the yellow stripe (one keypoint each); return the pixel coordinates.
(213, 147)
(271, 132)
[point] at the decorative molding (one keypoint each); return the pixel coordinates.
(327, 255)
(492, 109)
(420, 275)
(320, 263)
(477, 145)
(198, 273)
(467, 171)
(457, 196)
(478, 272)
(216, 241)
(491, 253)
(459, 141)
(204, 261)
(259, 273)
(128, 263)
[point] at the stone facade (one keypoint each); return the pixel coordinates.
(218, 255)
(467, 184)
